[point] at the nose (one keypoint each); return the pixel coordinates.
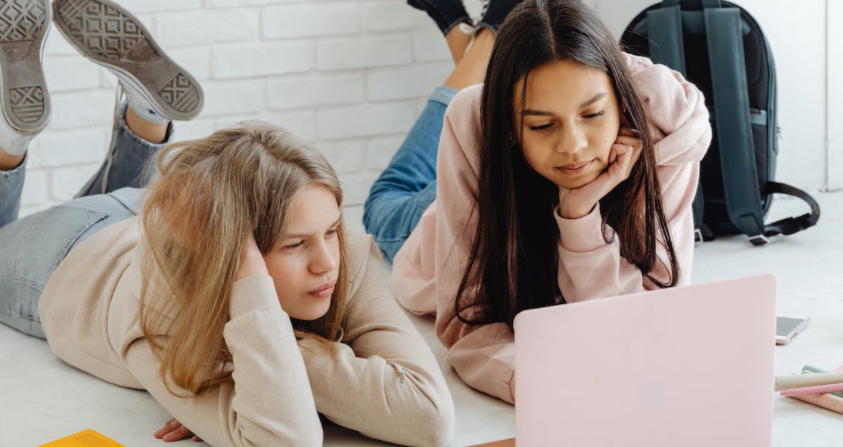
(323, 260)
(572, 139)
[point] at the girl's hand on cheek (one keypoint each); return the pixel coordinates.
(578, 202)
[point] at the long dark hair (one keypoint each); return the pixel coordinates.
(513, 260)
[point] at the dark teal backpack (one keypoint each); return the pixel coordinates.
(720, 48)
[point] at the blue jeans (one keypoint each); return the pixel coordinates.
(407, 187)
(31, 248)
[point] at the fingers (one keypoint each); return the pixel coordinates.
(628, 132)
(174, 431)
(613, 155)
(628, 140)
(171, 425)
(178, 434)
(622, 166)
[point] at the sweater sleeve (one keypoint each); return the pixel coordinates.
(269, 401)
(589, 267)
(483, 356)
(383, 379)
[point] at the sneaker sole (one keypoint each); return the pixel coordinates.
(110, 36)
(23, 90)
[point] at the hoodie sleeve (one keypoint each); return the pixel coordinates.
(269, 401)
(383, 379)
(483, 356)
(589, 267)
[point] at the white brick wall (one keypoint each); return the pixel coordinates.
(350, 76)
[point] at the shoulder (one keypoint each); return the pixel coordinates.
(675, 108)
(361, 253)
(463, 113)
(462, 132)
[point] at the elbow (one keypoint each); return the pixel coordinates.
(308, 434)
(438, 424)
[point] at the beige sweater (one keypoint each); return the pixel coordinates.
(382, 380)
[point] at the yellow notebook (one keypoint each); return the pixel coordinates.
(87, 438)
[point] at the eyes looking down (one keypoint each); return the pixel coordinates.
(305, 262)
(569, 121)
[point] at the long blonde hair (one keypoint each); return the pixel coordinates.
(211, 193)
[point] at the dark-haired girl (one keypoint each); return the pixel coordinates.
(568, 175)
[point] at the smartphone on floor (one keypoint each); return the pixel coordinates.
(788, 326)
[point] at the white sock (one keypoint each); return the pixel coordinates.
(13, 142)
(142, 107)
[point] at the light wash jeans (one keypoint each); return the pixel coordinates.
(31, 248)
(407, 187)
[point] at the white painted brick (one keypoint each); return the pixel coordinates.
(356, 187)
(207, 27)
(224, 3)
(291, 93)
(353, 219)
(233, 97)
(73, 147)
(142, 6)
(381, 149)
(417, 80)
(267, 2)
(70, 73)
(310, 20)
(261, 59)
(345, 156)
(34, 189)
(301, 123)
(365, 120)
(82, 109)
(192, 130)
(393, 16)
(474, 8)
(430, 46)
(233, 3)
(194, 60)
(107, 79)
(66, 182)
(339, 54)
(57, 45)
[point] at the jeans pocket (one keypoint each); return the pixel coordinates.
(46, 238)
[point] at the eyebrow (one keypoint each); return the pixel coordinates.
(304, 235)
(591, 101)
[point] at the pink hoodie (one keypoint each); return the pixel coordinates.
(428, 269)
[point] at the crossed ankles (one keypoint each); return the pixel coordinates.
(156, 89)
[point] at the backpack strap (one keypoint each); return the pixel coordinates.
(664, 30)
(734, 129)
(665, 34)
(706, 3)
(791, 225)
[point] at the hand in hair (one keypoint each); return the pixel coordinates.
(578, 202)
(174, 431)
(251, 259)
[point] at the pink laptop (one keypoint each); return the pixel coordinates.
(689, 366)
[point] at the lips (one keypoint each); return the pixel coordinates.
(324, 291)
(574, 168)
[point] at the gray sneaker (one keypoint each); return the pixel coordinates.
(110, 36)
(23, 91)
